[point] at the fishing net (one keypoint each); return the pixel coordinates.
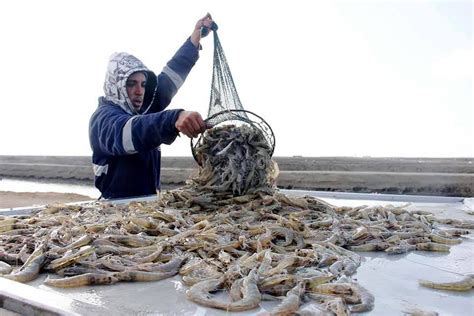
(224, 105)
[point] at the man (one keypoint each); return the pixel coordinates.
(130, 123)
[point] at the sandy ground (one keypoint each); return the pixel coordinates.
(10, 199)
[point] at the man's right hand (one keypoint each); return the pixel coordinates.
(190, 123)
(206, 22)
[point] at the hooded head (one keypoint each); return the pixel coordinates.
(120, 67)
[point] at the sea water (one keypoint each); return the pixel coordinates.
(38, 186)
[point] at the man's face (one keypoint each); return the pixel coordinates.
(136, 89)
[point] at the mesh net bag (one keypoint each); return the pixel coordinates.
(224, 105)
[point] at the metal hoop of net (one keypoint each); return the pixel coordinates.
(237, 118)
(224, 104)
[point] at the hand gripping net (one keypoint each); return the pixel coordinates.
(224, 105)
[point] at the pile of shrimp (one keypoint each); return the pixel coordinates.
(301, 251)
(234, 159)
(253, 247)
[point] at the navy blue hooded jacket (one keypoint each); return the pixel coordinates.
(126, 144)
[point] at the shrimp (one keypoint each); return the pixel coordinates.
(5, 268)
(465, 225)
(350, 292)
(402, 247)
(172, 265)
(456, 232)
(291, 302)
(366, 298)
(151, 257)
(285, 232)
(82, 280)
(235, 292)
(251, 296)
(286, 262)
(419, 312)
(200, 293)
(130, 240)
(266, 263)
(277, 279)
(360, 232)
(29, 272)
(318, 280)
(346, 266)
(432, 246)
(337, 306)
(143, 276)
(82, 241)
(444, 240)
(67, 260)
(370, 246)
(77, 270)
(463, 285)
(9, 257)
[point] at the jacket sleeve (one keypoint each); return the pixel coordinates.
(173, 75)
(115, 133)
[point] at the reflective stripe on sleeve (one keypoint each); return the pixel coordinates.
(127, 141)
(98, 169)
(175, 78)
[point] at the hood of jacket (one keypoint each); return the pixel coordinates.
(120, 67)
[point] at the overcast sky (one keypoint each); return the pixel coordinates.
(352, 78)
